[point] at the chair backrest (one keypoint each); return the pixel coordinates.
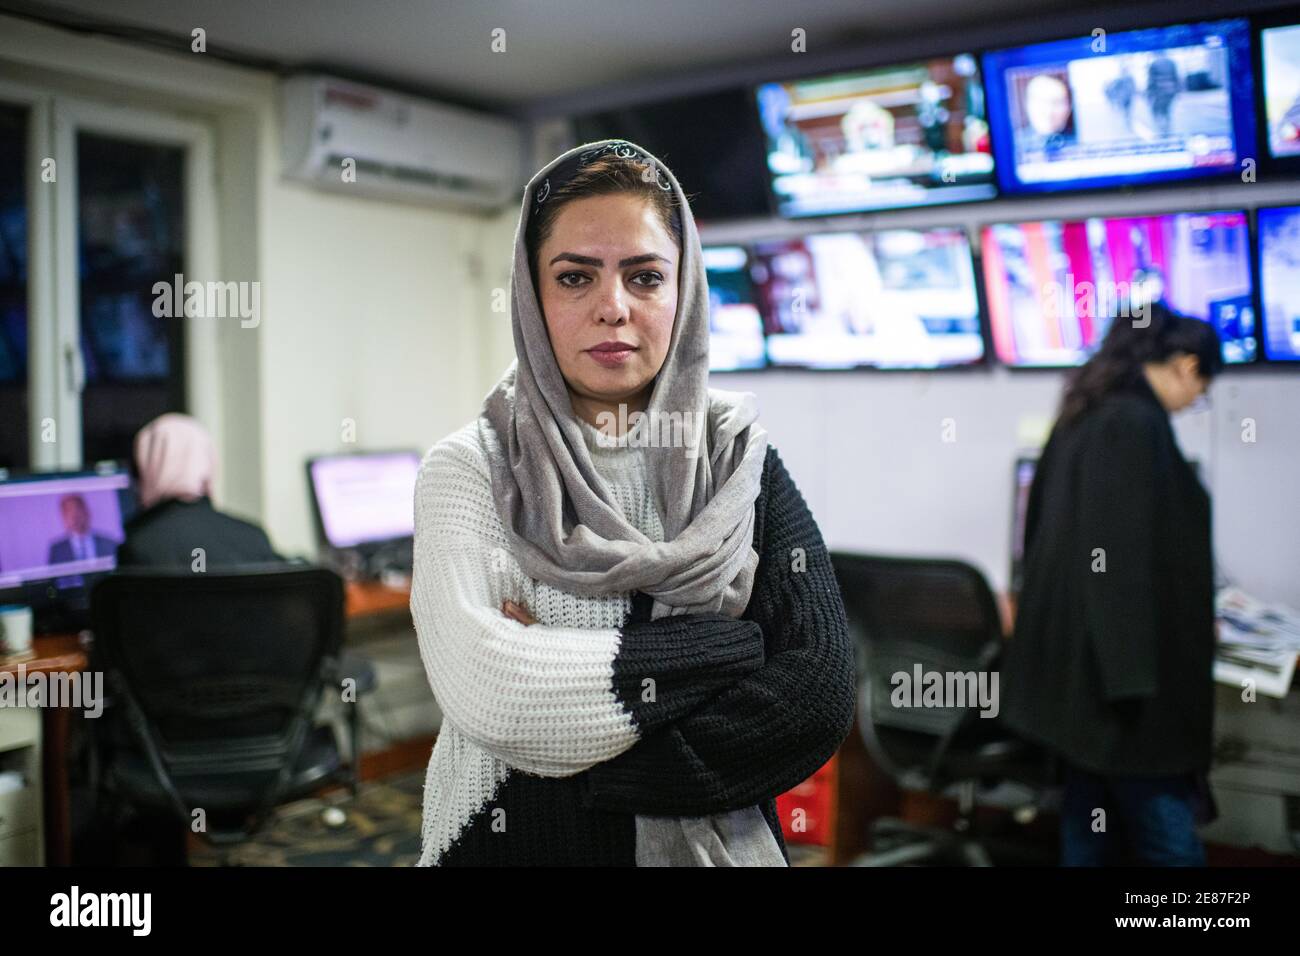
(915, 617)
(220, 672)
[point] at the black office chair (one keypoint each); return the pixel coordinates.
(941, 615)
(215, 679)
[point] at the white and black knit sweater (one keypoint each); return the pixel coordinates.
(548, 748)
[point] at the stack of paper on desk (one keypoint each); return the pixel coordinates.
(1257, 642)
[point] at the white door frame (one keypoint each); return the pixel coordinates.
(54, 365)
(42, 381)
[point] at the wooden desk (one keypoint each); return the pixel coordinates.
(55, 654)
(364, 598)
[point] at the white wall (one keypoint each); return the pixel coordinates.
(866, 450)
(495, 253)
(371, 315)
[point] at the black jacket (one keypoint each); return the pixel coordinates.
(101, 546)
(166, 535)
(1112, 669)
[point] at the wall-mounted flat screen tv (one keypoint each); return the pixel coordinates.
(909, 135)
(1053, 287)
(735, 324)
(898, 298)
(1279, 281)
(1122, 108)
(1280, 62)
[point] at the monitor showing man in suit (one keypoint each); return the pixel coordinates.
(81, 541)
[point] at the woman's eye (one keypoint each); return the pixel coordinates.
(573, 280)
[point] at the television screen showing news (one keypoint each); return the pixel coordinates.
(1279, 280)
(1053, 286)
(909, 135)
(1122, 108)
(1280, 54)
(59, 527)
(899, 298)
(735, 325)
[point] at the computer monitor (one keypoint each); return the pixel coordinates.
(364, 500)
(912, 134)
(1279, 281)
(735, 324)
(1024, 480)
(1053, 286)
(896, 298)
(1280, 78)
(59, 533)
(1120, 108)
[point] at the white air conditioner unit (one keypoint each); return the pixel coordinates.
(400, 147)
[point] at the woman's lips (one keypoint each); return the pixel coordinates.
(612, 354)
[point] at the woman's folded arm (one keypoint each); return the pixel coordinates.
(665, 669)
(770, 730)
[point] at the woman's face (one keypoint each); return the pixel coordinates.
(607, 278)
(1186, 381)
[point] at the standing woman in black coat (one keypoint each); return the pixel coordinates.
(1111, 663)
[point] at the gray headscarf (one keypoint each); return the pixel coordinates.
(564, 525)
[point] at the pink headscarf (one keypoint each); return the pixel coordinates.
(176, 459)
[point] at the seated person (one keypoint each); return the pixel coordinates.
(175, 461)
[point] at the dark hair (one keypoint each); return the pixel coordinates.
(1127, 346)
(601, 177)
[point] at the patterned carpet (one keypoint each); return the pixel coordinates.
(382, 828)
(806, 855)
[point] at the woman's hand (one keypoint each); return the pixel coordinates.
(517, 612)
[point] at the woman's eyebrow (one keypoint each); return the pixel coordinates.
(600, 263)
